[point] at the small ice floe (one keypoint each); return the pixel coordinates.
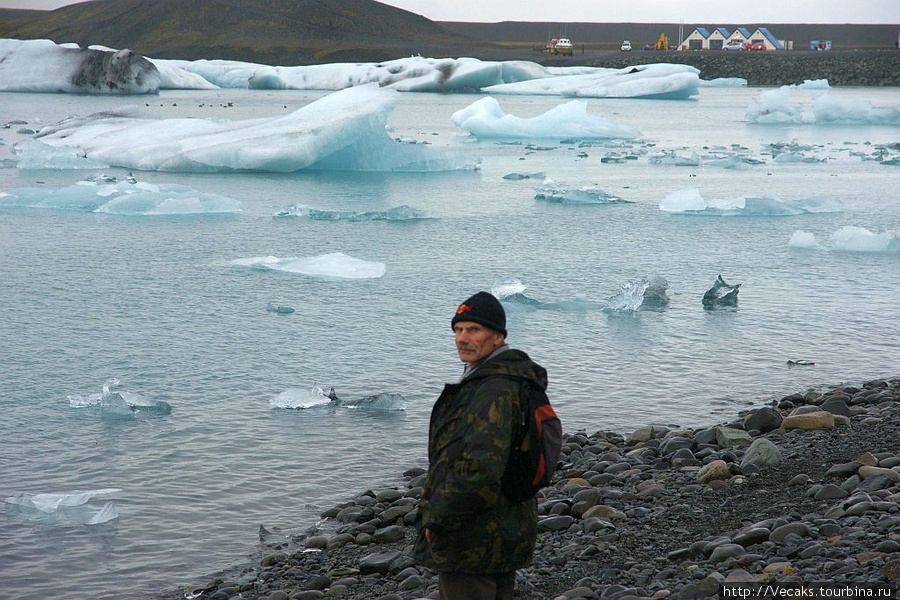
(799, 363)
(559, 193)
(105, 195)
(397, 213)
(503, 288)
(859, 239)
(279, 308)
(66, 508)
(485, 119)
(335, 265)
(690, 202)
(296, 398)
(673, 159)
(721, 294)
(803, 240)
(115, 402)
(649, 292)
(521, 176)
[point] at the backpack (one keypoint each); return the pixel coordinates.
(537, 439)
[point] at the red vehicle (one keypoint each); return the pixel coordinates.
(758, 46)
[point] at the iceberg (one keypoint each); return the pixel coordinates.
(485, 119)
(775, 107)
(663, 81)
(34, 155)
(100, 195)
(803, 240)
(649, 292)
(295, 398)
(384, 401)
(812, 84)
(671, 158)
(503, 288)
(342, 131)
(398, 213)
(721, 82)
(280, 309)
(859, 239)
(116, 402)
(335, 265)
(721, 294)
(550, 191)
(301, 399)
(690, 202)
(66, 508)
(43, 66)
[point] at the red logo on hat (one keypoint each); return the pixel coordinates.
(463, 308)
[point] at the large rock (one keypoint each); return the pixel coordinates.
(717, 469)
(764, 420)
(865, 472)
(762, 452)
(378, 563)
(815, 420)
(728, 437)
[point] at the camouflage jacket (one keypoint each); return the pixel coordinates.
(475, 528)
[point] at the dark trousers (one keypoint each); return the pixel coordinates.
(461, 586)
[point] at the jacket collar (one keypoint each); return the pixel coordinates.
(467, 370)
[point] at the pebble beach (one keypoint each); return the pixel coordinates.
(803, 491)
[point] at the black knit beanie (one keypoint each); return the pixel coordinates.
(482, 308)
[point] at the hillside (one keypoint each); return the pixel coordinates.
(276, 32)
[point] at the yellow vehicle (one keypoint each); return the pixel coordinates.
(662, 44)
(560, 46)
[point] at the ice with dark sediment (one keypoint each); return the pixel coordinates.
(65, 508)
(315, 396)
(106, 195)
(486, 120)
(647, 293)
(521, 176)
(397, 213)
(690, 202)
(775, 107)
(335, 265)
(850, 238)
(343, 131)
(551, 191)
(721, 294)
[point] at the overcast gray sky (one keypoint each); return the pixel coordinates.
(709, 12)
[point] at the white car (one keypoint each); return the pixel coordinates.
(626, 46)
(735, 45)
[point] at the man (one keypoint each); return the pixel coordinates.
(471, 534)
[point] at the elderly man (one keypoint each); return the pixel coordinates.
(471, 534)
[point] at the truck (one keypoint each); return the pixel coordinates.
(562, 46)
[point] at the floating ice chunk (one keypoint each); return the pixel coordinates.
(279, 308)
(521, 176)
(796, 157)
(649, 292)
(721, 294)
(775, 107)
(383, 401)
(342, 131)
(34, 155)
(671, 158)
(519, 300)
(335, 265)
(859, 239)
(665, 81)
(507, 287)
(43, 66)
(803, 240)
(397, 213)
(813, 84)
(554, 192)
(734, 161)
(116, 402)
(722, 82)
(485, 119)
(104, 515)
(297, 398)
(84, 400)
(52, 502)
(690, 202)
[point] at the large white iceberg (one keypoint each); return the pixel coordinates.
(690, 202)
(485, 119)
(342, 131)
(335, 265)
(43, 66)
(666, 81)
(775, 107)
(132, 198)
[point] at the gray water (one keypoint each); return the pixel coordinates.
(155, 302)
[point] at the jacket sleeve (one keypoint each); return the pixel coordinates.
(472, 482)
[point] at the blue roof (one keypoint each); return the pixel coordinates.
(768, 35)
(744, 32)
(723, 31)
(702, 32)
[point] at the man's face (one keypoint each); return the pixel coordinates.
(475, 342)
